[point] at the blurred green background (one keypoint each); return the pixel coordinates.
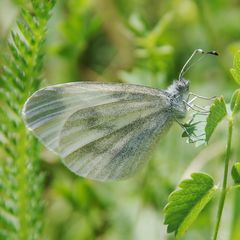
(142, 42)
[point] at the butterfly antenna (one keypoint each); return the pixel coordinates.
(186, 66)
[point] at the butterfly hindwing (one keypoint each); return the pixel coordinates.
(113, 151)
(101, 131)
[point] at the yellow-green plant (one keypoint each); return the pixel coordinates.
(185, 204)
(21, 182)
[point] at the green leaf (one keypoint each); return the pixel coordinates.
(236, 173)
(235, 71)
(21, 179)
(185, 204)
(235, 101)
(217, 112)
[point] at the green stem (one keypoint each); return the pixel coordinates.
(224, 184)
(22, 187)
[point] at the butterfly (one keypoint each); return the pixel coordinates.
(104, 131)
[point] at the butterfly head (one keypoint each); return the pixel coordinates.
(182, 86)
(178, 93)
(179, 88)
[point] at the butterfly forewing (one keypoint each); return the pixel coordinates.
(101, 131)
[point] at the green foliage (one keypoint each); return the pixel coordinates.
(235, 102)
(201, 126)
(194, 130)
(235, 71)
(236, 172)
(150, 50)
(217, 112)
(190, 129)
(142, 42)
(184, 205)
(234, 105)
(79, 24)
(21, 181)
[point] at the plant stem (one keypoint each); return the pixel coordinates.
(224, 184)
(22, 187)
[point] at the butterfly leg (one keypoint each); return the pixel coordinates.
(190, 101)
(183, 126)
(201, 108)
(189, 128)
(196, 108)
(201, 97)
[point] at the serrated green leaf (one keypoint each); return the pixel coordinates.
(236, 173)
(185, 204)
(235, 101)
(217, 112)
(21, 206)
(26, 32)
(236, 75)
(235, 71)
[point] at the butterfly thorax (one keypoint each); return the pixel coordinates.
(177, 93)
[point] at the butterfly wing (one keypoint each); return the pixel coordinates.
(101, 131)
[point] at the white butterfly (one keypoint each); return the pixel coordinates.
(103, 131)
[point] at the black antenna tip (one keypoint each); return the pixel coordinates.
(213, 53)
